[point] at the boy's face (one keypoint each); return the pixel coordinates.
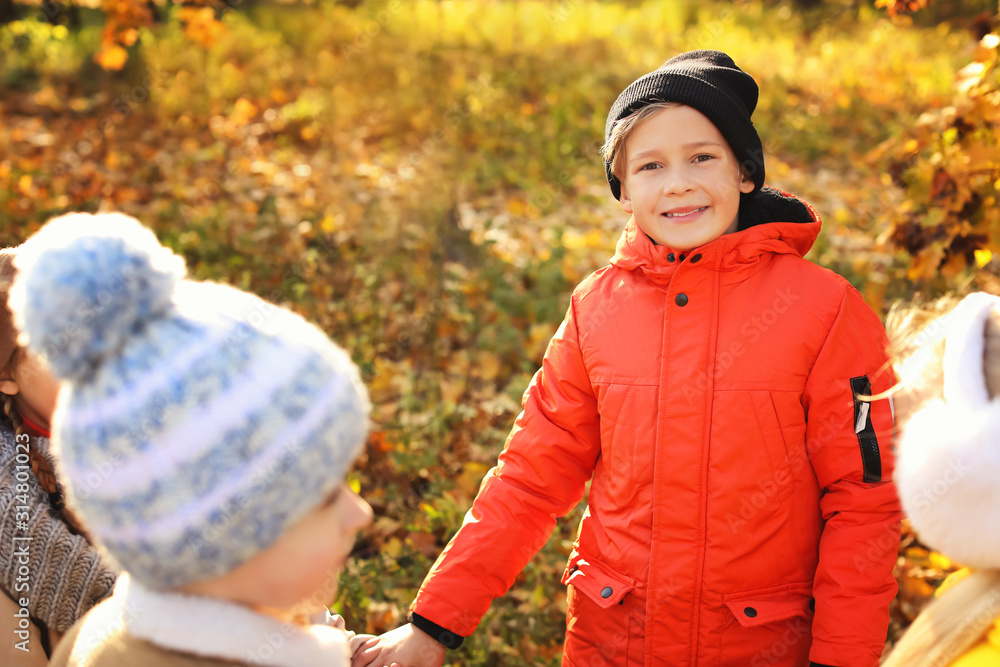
(682, 181)
(298, 573)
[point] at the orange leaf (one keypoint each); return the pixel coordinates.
(111, 57)
(129, 36)
(243, 112)
(200, 25)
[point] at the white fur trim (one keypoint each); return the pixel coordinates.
(964, 381)
(948, 461)
(217, 629)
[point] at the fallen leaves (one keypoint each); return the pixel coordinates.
(919, 572)
(429, 196)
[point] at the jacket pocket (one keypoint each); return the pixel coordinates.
(773, 442)
(597, 581)
(600, 619)
(768, 626)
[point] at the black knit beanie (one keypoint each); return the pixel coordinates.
(710, 82)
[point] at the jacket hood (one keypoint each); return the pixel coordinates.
(771, 222)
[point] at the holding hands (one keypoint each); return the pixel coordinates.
(405, 646)
(355, 640)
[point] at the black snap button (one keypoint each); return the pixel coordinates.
(606, 593)
(681, 258)
(670, 257)
(681, 299)
(750, 611)
(812, 604)
(695, 258)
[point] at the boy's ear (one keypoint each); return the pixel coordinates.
(747, 185)
(626, 202)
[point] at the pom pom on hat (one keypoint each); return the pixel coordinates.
(88, 283)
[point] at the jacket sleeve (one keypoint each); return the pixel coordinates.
(65, 575)
(850, 446)
(541, 473)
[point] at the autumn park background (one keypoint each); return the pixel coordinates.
(422, 179)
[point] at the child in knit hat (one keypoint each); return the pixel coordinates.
(948, 474)
(203, 436)
(63, 576)
(710, 385)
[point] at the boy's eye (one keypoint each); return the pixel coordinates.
(703, 158)
(646, 167)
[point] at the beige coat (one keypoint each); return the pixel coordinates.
(137, 626)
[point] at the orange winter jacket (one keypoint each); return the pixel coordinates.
(741, 510)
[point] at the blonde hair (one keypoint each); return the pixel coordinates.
(959, 618)
(613, 150)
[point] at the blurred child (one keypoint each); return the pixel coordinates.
(948, 475)
(708, 382)
(203, 436)
(63, 574)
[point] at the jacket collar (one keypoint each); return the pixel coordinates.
(771, 222)
(223, 630)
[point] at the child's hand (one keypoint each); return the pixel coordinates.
(405, 646)
(355, 641)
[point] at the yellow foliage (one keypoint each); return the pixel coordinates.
(950, 171)
(472, 475)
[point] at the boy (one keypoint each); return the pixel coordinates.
(203, 435)
(741, 510)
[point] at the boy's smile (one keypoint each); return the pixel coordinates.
(682, 181)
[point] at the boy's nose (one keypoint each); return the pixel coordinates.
(676, 182)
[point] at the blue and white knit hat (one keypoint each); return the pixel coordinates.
(197, 422)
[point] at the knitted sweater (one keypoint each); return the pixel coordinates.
(65, 575)
(139, 626)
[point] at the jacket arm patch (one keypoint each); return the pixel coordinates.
(865, 430)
